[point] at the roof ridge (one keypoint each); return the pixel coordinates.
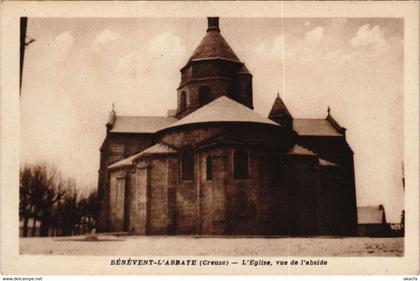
(299, 149)
(130, 160)
(157, 145)
(222, 110)
(146, 116)
(167, 146)
(335, 124)
(314, 127)
(141, 124)
(324, 162)
(370, 206)
(309, 118)
(303, 146)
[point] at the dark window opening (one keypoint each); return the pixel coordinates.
(182, 100)
(240, 164)
(231, 92)
(209, 168)
(205, 95)
(187, 167)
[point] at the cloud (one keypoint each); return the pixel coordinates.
(106, 37)
(146, 66)
(64, 40)
(277, 45)
(107, 41)
(166, 46)
(366, 35)
(315, 34)
(124, 64)
(153, 58)
(61, 45)
(274, 48)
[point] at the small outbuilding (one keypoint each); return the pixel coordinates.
(372, 221)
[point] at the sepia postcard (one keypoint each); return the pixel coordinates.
(198, 138)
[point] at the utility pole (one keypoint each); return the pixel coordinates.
(23, 44)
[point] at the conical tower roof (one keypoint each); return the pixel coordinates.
(244, 70)
(279, 109)
(213, 45)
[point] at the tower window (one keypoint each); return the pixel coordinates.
(182, 100)
(231, 92)
(240, 164)
(205, 95)
(187, 164)
(209, 168)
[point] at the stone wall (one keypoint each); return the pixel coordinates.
(337, 150)
(117, 199)
(114, 148)
(212, 191)
(220, 76)
(303, 184)
(219, 87)
(186, 205)
(137, 200)
(152, 198)
(329, 194)
(234, 206)
(158, 196)
(283, 194)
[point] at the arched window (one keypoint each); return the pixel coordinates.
(240, 164)
(187, 164)
(205, 95)
(182, 100)
(209, 168)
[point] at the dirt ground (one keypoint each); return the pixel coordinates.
(194, 246)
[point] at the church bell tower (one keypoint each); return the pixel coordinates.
(212, 71)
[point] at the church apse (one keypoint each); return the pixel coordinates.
(219, 168)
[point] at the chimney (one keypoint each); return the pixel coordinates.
(213, 24)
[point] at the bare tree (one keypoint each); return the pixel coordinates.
(46, 192)
(69, 213)
(25, 204)
(55, 202)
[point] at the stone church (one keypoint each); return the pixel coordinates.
(216, 167)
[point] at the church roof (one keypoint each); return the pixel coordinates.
(300, 150)
(223, 109)
(371, 214)
(244, 70)
(314, 127)
(158, 148)
(213, 45)
(324, 162)
(141, 124)
(279, 109)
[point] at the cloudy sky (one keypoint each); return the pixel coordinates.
(77, 68)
